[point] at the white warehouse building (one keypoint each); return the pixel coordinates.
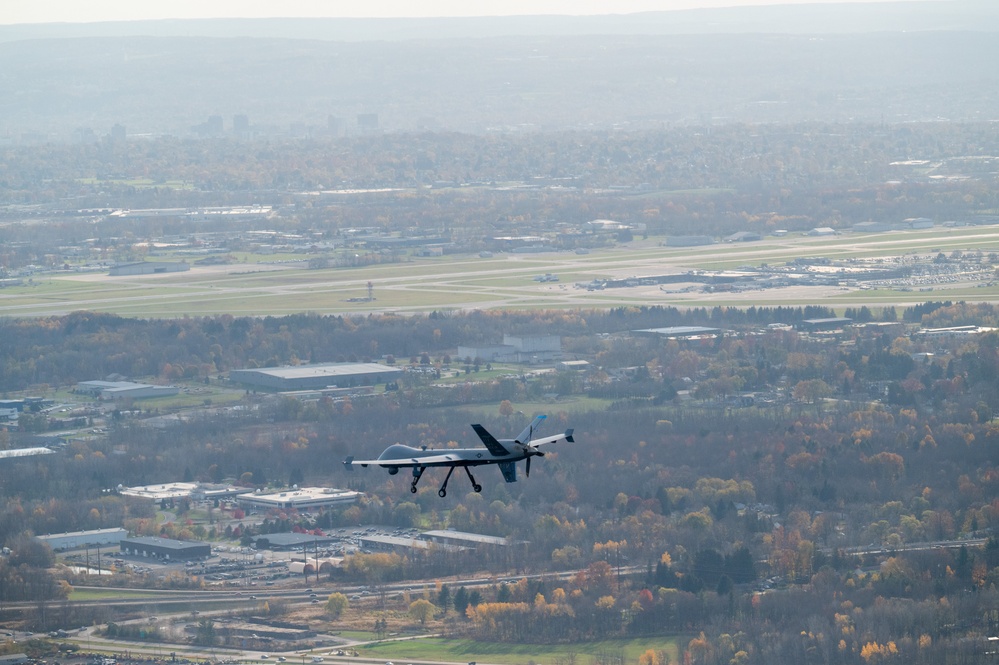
(76, 539)
(517, 349)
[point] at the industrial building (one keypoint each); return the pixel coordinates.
(289, 542)
(14, 659)
(680, 332)
(517, 349)
(25, 452)
(312, 377)
(396, 544)
(301, 499)
(210, 492)
(165, 548)
(953, 331)
(164, 492)
(124, 390)
(462, 538)
(828, 324)
(77, 539)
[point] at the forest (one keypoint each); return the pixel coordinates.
(845, 515)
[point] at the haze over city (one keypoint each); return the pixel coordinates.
(49, 11)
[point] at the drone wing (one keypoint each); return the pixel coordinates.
(425, 460)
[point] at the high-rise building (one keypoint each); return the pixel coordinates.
(334, 125)
(367, 122)
(214, 125)
(240, 124)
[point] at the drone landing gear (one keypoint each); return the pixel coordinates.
(417, 474)
(442, 492)
(475, 486)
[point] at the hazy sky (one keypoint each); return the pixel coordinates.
(49, 11)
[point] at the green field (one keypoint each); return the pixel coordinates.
(462, 650)
(269, 285)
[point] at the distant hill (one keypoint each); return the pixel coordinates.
(831, 18)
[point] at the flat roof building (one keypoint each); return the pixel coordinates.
(451, 537)
(165, 548)
(398, 544)
(832, 323)
(284, 542)
(14, 659)
(124, 389)
(680, 331)
(517, 349)
(163, 492)
(312, 377)
(75, 539)
(148, 268)
(304, 498)
(953, 331)
(209, 492)
(25, 452)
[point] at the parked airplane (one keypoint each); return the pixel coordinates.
(504, 452)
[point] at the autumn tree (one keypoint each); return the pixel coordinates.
(422, 610)
(336, 604)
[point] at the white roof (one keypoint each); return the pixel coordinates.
(25, 452)
(331, 369)
(159, 492)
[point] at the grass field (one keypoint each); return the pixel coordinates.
(461, 650)
(269, 285)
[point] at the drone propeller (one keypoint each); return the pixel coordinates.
(528, 450)
(531, 451)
